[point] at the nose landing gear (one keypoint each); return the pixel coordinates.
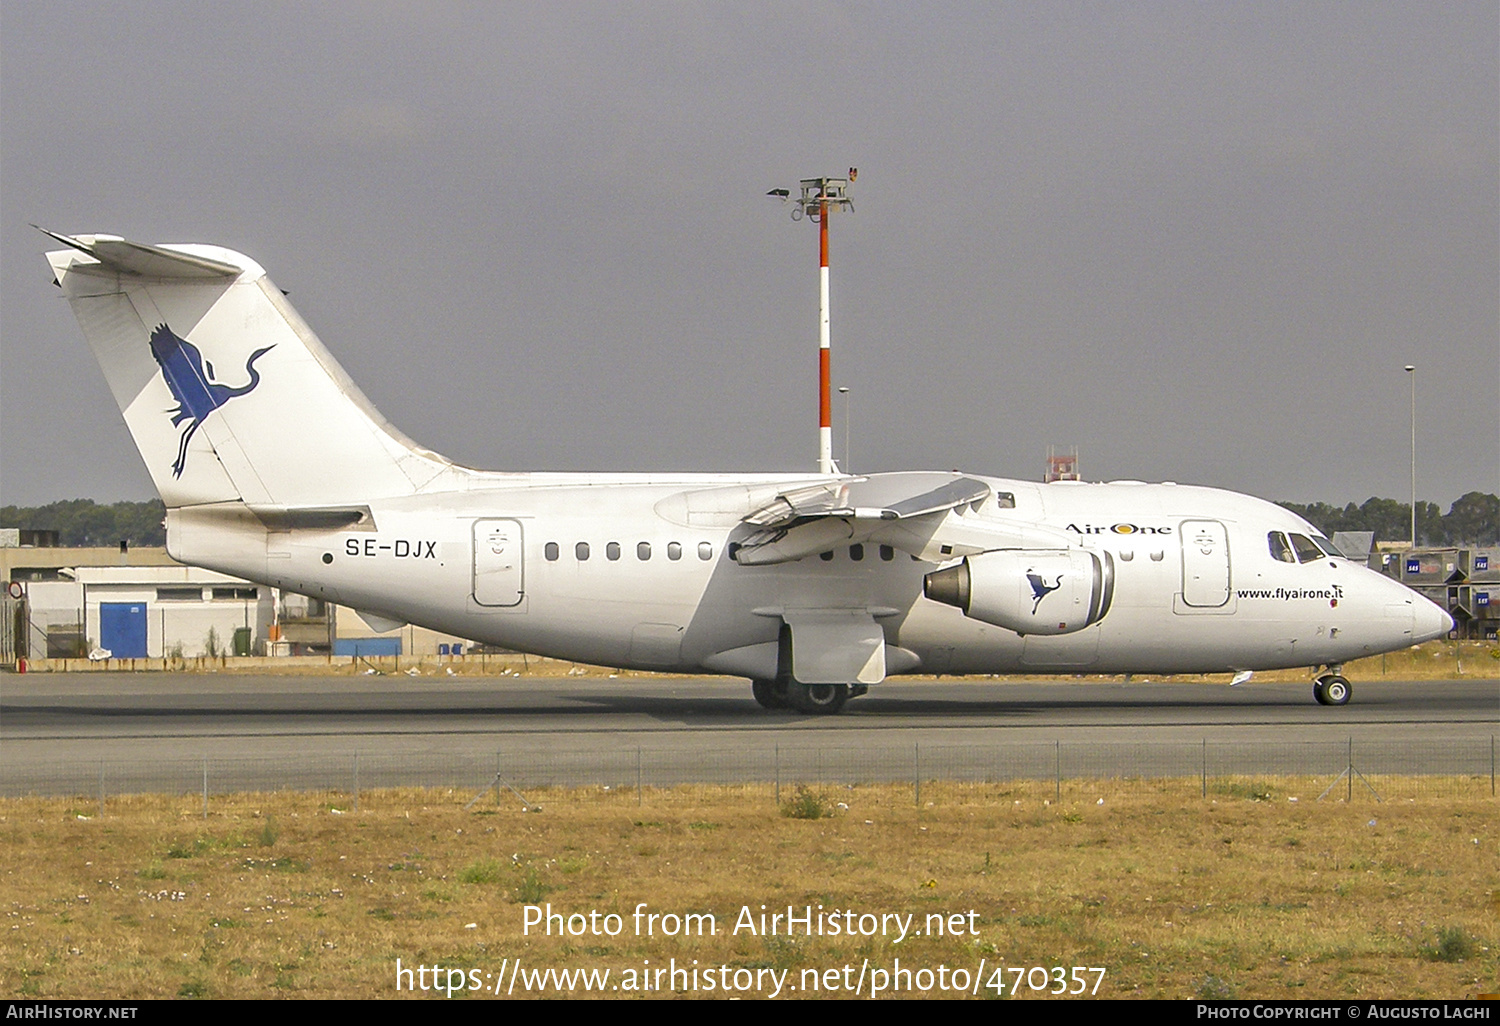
(1332, 687)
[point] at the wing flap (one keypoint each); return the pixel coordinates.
(879, 497)
(802, 521)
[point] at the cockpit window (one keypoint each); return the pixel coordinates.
(1328, 546)
(1307, 552)
(1280, 548)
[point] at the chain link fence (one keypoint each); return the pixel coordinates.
(1305, 770)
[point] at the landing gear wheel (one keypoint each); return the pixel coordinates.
(1331, 690)
(823, 699)
(768, 695)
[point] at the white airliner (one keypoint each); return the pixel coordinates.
(275, 468)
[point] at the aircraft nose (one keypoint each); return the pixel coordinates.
(1429, 620)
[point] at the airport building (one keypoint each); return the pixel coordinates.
(136, 602)
(1464, 581)
(141, 612)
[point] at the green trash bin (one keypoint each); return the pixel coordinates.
(242, 636)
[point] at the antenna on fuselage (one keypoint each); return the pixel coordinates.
(821, 197)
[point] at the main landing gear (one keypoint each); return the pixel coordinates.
(1332, 687)
(768, 695)
(820, 699)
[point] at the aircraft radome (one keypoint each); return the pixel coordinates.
(275, 468)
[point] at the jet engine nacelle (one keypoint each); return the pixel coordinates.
(1029, 591)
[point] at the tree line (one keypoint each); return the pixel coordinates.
(85, 522)
(1473, 519)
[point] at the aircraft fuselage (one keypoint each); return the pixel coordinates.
(622, 572)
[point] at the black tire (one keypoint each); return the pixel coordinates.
(1332, 690)
(1336, 690)
(767, 696)
(817, 699)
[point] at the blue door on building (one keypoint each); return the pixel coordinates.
(122, 629)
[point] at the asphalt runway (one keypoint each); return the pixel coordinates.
(143, 731)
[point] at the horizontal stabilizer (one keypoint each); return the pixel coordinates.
(119, 255)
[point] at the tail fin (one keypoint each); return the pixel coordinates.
(226, 391)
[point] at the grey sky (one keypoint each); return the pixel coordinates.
(1199, 241)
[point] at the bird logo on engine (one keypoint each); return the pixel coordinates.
(1040, 589)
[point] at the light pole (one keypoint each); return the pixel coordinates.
(1411, 372)
(845, 393)
(820, 198)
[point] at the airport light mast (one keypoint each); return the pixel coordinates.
(1411, 372)
(820, 198)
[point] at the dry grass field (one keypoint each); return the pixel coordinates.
(1244, 894)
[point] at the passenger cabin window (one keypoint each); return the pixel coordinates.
(1307, 552)
(612, 551)
(550, 551)
(643, 551)
(674, 550)
(581, 550)
(705, 551)
(887, 553)
(826, 557)
(1280, 548)
(1005, 500)
(856, 552)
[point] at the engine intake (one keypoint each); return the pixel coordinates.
(1029, 591)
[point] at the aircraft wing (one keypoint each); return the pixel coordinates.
(802, 521)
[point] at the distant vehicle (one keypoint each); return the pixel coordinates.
(275, 468)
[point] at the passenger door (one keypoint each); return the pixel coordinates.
(1205, 564)
(498, 577)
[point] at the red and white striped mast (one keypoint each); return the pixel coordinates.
(820, 198)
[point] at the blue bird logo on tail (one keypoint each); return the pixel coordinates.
(189, 377)
(1041, 589)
